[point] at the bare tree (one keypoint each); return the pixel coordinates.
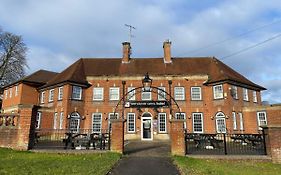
(12, 58)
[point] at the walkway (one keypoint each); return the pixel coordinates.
(145, 158)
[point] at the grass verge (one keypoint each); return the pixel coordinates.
(25, 162)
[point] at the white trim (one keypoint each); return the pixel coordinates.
(80, 93)
(163, 96)
(51, 95)
(75, 116)
(192, 93)
(16, 90)
(42, 97)
(184, 118)
(241, 121)
(146, 92)
(98, 91)
(179, 95)
(61, 120)
(100, 123)
(202, 122)
(259, 121)
(132, 94)
(112, 89)
(234, 120)
(245, 94)
(38, 120)
(218, 91)
(255, 98)
(165, 117)
(220, 117)
(234, 91)
(60, 93)
(147, 139)
(55, 120)
(128, 120)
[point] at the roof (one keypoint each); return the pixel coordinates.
(215, 69)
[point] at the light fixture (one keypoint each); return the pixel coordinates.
(146, 83)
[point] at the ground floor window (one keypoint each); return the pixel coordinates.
(61, 120)
(96, 122)
(220, 122)
(241, 121)
(234, 121)
(74, 122)
(38, 120)
(110, 117)
(197, 122)
(162, 123)
(181, 115)
(262, 121)
(131, 120)
(55, 120)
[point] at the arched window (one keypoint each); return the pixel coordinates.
(220, 123)
(74, 122)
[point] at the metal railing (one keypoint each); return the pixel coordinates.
(66, 139)
(223, 144)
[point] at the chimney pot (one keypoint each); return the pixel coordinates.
(126, 52)
(167, 51)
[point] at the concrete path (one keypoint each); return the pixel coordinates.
(146, 158)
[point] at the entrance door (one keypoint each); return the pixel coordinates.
(146, 128)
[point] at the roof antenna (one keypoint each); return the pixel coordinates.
(130, 31)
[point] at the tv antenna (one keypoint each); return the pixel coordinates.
(130, 31)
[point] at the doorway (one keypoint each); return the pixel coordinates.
(146, 127)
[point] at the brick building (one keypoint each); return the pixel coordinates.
(211, 97)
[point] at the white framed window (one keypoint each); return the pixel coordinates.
(181, 116)
(255, 98)
(98, 93)
(76, 92)
(145, 95)
(60, 93)
(161, 93)
(74, 122)
(11, 92)
(162, 120)
(61, 120)
(42, 97)
(245, 94)
(196, 93)
(6, 93)
(55, 120)
(262, 120)
(114, 93)
(51, 95)
(96, 122)
(234, 92)
(179, 93)
(220, 123)
(234, 121)
(197, 122)
(112, 116)
(16, 90)
(241, 121)
(218, 91)
(38, 120)
(132, 94)
(131, 122)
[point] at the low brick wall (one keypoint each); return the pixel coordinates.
(8, 137)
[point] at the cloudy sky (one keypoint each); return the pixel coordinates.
(58, 32)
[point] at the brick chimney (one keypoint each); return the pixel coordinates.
(126, 52)
(167, 51)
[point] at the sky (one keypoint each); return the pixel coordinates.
(59, 32)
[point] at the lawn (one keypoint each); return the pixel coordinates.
(25, 162)
(192, 166)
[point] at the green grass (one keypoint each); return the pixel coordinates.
(192, 166)
(25, 162)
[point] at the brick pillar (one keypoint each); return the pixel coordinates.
(117, 136)
(177, 137)
(273, 142)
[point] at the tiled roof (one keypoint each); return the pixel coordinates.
(215, 69)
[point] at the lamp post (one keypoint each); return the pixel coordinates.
(146, 83)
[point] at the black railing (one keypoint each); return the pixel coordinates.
(223, 144)
(65, 139)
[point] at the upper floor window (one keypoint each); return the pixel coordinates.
(97, 93)
(196, 93)
(218, 91)
(179, 93)
(60, 94)
(145, 95)
(161, 93)
(42, 97)
(245, 94)
(6, 94)
(16, 90)
(131, 93)
(234, 92)
(11, 92)
(262, 121)
(255, 99)
(51, 95)
(76, 92)
(114, 93)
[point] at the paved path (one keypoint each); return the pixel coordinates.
(145, 158)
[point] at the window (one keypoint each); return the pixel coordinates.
(131, 122)
(241, 121)
(234, 121)
(161, 93)
(60, 94)
(234, 92)
(38, 120)
(220, 122)
(179, 93)
(61, 120)
(55, 120)
(110, 117)
(42, 97)
(96, 121)
(245, 94)
(196, 93)
(181, 116)
(74, 122)
(162, 122)
(145, 95)
(51, 95)
(6, 94)
(197, 122)
(114, 93)
(17, 90)
(76, 92)
(262, 121)
(132, 94)
(255, 99)
(97, 93)
(218, 92)
(11, 92)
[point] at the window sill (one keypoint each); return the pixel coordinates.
(131, 132)
(98, 100)
(163, 132)
(196, 100)
(218, 98)
(76, 99)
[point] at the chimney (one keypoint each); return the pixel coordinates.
(126, 52)
(167, 51)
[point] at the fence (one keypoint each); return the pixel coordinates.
(66, 139)
(223, 144)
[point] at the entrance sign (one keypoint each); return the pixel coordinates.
(146, 104)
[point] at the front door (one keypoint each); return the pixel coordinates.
(146, 128)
